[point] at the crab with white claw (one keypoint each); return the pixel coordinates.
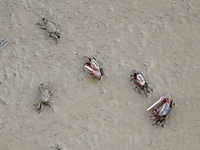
(45, 94)
(140, 82)
(92, 67)
(161, 109)
(50, 27)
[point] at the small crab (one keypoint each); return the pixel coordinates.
(45, 94)
(50, 27)
(140, 82)
(161, 109)
(92, 67)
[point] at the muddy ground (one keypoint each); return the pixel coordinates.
(159, 38)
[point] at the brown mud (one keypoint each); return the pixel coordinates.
(159, 38)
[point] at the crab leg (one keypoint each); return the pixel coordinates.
(41, 87)
(48, 104)
(50, 89)
(54, 37)
(40, 108)
(50, 86)
(41, 26)
(132, 77)
(87, 58)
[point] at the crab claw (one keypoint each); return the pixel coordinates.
(57, 33)
(95, 73)
(102, 72)
(94, 64)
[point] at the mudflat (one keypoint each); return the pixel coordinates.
(159, 38)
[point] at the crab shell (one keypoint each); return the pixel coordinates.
(164, 109)
(95, 73)
(94, 64)
(140, 79)
(50, 27)
(45, 96)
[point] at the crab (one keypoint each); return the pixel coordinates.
(45, 94)
(161, 109)
(50, 27)
(92, 67)
(140, 82)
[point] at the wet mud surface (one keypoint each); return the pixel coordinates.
(160, 39)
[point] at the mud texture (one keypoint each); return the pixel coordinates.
(159, 38)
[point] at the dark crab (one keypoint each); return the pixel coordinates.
(45, 94)
(140, 82)
(92, 67)
(161, 109)
(50, 27)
